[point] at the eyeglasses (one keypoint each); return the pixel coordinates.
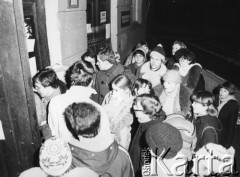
(138, 110)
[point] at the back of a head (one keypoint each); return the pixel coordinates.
(107, 55)
(139, 83)
(84, 119)
(88, 53)
(80, 73)
(172, 76)
(122, 81)
(150, 104)
(47, 77)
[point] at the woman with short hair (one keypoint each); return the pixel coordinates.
(205, 119)
(228, 108)
(148, 111)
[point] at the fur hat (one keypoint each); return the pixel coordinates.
(55, 156)
(159, 49)
(172, 76)
(220, 156)
(162, 136)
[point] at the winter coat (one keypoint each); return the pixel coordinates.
(114, 160)
(105, 77)
(169, 62)
(139, 145)
(193, 79)
(120, 116)
(228, 115)
(58, 105)
(184, 97)
(135, 69)
(207, 130)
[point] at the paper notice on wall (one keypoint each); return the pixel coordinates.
(103, 17)
(2, 137)
(108, 31)
(89, 28)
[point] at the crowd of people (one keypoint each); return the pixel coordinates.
(150, 116)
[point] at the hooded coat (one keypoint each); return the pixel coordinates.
(101, 153)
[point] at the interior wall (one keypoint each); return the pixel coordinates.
(66, 27)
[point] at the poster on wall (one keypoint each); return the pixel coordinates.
(125, 19)
(103, 17)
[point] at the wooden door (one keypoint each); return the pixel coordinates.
(17, 107)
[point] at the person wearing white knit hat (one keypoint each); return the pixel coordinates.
(55, 159)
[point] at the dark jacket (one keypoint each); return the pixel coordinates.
(135, 69)
(228, 116)
(139, 145)
(104, 79)
(194, 79)
(210, 134)
(184, 94)
(169, 62)
(113, 161)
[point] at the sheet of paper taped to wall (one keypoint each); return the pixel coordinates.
(2, 137)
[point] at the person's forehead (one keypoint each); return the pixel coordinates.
(115, 87)
(38, 84)
(156, 56)
(176, 46)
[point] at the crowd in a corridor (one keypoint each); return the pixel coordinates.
(150, 116)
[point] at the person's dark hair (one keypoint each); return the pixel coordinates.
(150, 104)
(230, 87)
(89, 53)
(139, 84)
(122, 81)
(80, 73)
(185, 54)
(47, 77)
(107, 54)
(140, 44)
(206, 99)
(180, 43)
(84, 119)
(138, 51)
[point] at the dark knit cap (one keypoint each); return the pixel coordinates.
(159, 49)
(164, 136)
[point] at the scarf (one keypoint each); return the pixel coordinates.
(176, 102)
(184, 70)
